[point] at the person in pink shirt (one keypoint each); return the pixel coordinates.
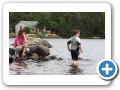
(20, 42)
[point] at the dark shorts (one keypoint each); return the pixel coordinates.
(74, 54)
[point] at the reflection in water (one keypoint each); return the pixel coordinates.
(20, 67)
(75, 71)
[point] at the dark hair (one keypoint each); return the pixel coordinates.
(20, 32)
(75, 32)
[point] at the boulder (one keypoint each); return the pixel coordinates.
(45, 43)
(46, 58)
(11, 51)
(10, 59)
(40, 50)
(53, 57)
(34, 57)
(59, 58)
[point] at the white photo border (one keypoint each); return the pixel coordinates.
(54, 7)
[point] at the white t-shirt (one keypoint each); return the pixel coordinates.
(75, 41)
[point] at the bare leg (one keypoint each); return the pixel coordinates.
(72, 62)
(75, 63)
(18, 53)
(24, 49)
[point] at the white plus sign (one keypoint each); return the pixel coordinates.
(107, 69)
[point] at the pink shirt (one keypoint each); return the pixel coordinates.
(17, 38)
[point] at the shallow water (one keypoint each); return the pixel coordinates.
(93, 51)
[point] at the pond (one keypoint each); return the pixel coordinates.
(93, 51)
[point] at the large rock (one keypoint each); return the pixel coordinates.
(11, 51)
(38, 41)
(10, 59)
(34, 57)
(45, 43)
(46, 58)
(11, 54)
(40, 50)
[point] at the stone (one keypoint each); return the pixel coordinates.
(11, 51)
(45, 43)
(79, 58)
(38, 41)
(53, 57)
(46, 58)
(34, 57)
(59, 58)
(40, 50)
(10, 59)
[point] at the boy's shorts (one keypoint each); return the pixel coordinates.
(18, 47)
(74, 54)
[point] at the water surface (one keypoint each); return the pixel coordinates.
(93, 51)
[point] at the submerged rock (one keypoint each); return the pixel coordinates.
(53, 57)
(59, 58)
(79, 58)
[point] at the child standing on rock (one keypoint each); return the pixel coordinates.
(75, 48)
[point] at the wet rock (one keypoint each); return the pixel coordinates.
(59, 58)
(88, 59)
(79, 58)
(29, 54)
(10, 59)
(34, 57)
(45, 43)
(40, 50)
(41, 58)
(11, 51)
(14, 57)
(53, 57)
(46, 58)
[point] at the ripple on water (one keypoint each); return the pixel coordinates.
(86, 66)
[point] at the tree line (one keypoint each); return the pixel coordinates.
(90, 24)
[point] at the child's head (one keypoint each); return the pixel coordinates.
(76, 33)
(20, 33)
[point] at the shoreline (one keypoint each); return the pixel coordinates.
(68, 38)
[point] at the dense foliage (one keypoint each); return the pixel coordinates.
(63, 23)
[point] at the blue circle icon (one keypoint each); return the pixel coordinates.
(107, 69)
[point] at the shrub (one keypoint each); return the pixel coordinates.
(11, 35)
(41, 36)
(27, 30)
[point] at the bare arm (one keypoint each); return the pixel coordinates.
(80, 47)
(25, 39)
(18, 44)
(68, 43)
(68, 47)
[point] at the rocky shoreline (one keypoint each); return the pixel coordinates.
(38, 50)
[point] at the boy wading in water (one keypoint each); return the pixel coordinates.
(75, 47)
